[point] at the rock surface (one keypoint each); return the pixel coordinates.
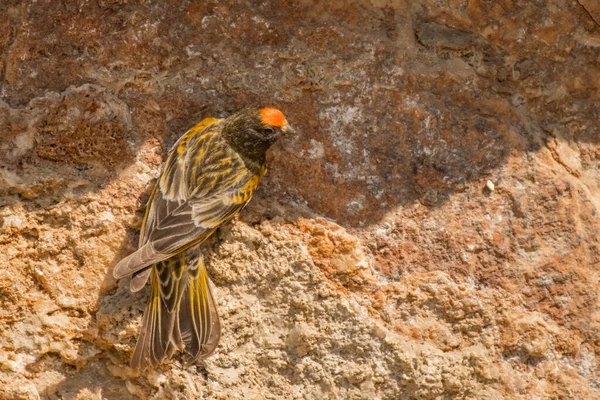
(432, 232)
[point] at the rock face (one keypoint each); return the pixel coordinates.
(431, 233)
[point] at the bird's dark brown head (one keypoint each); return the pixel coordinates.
(252, 132)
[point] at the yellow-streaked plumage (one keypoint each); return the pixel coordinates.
(181, 312)
(209, 176)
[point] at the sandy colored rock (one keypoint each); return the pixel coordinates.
(376, 261)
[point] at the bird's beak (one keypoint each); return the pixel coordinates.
(288, 130)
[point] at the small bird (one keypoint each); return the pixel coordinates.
(210, 174)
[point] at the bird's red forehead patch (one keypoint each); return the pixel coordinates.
(272, 116)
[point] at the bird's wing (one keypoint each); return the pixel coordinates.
(193, 197)
(171, 178)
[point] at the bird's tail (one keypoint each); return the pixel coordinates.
(181, 313)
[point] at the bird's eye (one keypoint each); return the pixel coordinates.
(269, 130)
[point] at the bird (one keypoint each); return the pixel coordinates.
(210, 174)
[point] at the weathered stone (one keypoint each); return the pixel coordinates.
(431, 232)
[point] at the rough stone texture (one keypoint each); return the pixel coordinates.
(376, 261)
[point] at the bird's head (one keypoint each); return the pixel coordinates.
(273, 121)
(252, 132)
